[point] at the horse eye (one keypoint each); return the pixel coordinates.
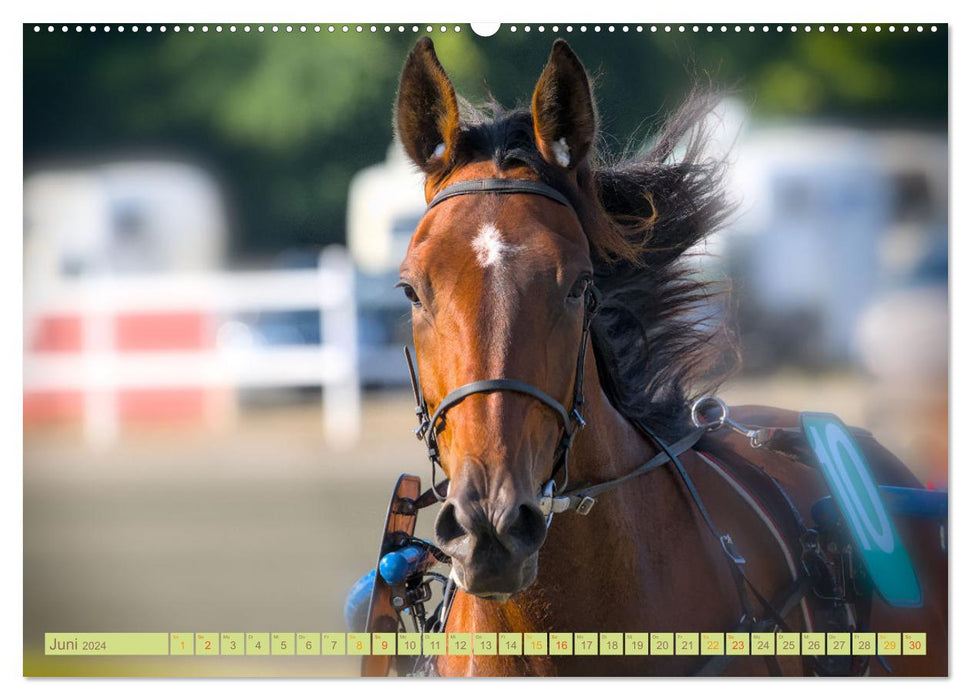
(410, 293)
(579, 287)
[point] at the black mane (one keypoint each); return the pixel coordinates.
(659, 339)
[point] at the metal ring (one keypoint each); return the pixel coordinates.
(699, 420)
(548, 490)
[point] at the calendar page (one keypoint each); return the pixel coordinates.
(601, 272)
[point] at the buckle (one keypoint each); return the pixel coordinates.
(729, 546)
(423, 426)
(578, 417)
(586, 505)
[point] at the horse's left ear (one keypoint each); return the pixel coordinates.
(564, 114)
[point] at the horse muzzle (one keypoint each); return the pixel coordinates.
(494, 549)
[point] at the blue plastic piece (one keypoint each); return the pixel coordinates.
(397, 566)
(915, 503)
(358, 600)
(900, 501)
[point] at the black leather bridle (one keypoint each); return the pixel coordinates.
(571, 420)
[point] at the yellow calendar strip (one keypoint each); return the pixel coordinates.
(303, 644)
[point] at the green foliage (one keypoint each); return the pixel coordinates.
(286, 119)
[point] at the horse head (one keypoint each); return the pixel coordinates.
(500, 284)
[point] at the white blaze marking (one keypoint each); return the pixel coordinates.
(489, 247)
(492, 253)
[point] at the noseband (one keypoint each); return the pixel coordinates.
(571, 420)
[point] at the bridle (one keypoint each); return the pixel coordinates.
(570, 419)
(553, 498)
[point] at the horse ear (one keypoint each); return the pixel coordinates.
(564, 114)
(427, 112)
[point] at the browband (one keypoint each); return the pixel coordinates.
(500, 186)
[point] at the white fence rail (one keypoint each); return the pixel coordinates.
(99, 370)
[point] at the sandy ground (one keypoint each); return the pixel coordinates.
(263, 527)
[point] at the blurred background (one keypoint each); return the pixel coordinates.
(215, 402)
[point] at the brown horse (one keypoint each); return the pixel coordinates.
(501, 283)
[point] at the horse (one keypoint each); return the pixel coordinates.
(557, 339)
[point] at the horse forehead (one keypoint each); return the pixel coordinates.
(492, 238)
(520, 226)
(518, 234)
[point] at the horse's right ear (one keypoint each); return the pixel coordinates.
(427, 112)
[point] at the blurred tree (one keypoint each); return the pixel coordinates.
(286, 119)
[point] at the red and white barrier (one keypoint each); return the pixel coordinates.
(110, 349)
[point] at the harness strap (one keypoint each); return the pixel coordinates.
(486, 386)
(808, 558)
(692, 489)
(784, 603)
(561, 461)
(582, 498)
(735, 560)
(500, 186)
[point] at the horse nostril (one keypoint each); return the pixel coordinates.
(528, 531)
(447, 527)
(460, 530)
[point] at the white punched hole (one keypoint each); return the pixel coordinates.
(485, 28)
